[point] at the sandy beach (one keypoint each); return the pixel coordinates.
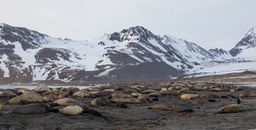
(194, 114)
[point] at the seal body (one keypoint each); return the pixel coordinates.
(119, 97)
(162, 106)
(247, 93)
(41, 88)
(7, 93)
(189, 96)
(144, 98)
(69, 101)
(81, 93)
(72, 110)
(26, 98)
(100, 101)
(233, 108)
(36, 108)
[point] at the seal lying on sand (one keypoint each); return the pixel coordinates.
(40, 88)
(189, 96)
(100, 101)
(233, 108)
(7, 93)
(26, 98)
(69, 101)
(247, 93)
(36, 108)
(162, 106)
(120, 97)
(72, 110)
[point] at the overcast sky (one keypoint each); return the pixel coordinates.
(209, 23)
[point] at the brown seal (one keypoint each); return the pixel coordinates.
(36, 108)
(99, 101)
(72, 110)
(81, 93)
(233, 108)
(7, 93)
(120, 97)
(69, 101)
(189, 96)
(247, 93)
(144, 98)
(40, 88)
(26, 98)
(162, 106)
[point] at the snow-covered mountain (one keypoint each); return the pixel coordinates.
(131, 54)
(247, 46)
(240, 58)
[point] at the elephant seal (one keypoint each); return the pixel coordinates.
(21, 91)
(54, 91)
(215, 89)
(199, 88)
(247, 93)
(189, 96)
(99, 101)
(72, 110)
(144, 98)
(69, 101)
(135, 94)
(37, 108)
(148, 91)
(119, 97)
(162, 106)
(72, 90)
(7, 93)
(183, 90)
(163, 89)
(81, 93)
(101, 94)
(169, 92)
(233, 108)
(40, 88)
(26, 98)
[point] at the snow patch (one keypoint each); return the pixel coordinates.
(104, 73)
(3, 65)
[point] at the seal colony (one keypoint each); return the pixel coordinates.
(179, 99)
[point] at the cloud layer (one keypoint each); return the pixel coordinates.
(205, 22)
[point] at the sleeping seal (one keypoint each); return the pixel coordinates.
(36, 108)
(72, 110)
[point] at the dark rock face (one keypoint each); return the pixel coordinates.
(235, 51)
(218, 52)
(146, 71)
(46, 55)
(27, 38)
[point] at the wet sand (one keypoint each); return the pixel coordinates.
(136, 117)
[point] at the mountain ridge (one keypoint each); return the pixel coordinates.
(134, 53)
(246, 43)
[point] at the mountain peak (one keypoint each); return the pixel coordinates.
(137, 30)
(133, 33)
(251, 32)
(249, 41)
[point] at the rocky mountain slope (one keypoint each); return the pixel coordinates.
(131, 54)
(247, 46)
(219, 52)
